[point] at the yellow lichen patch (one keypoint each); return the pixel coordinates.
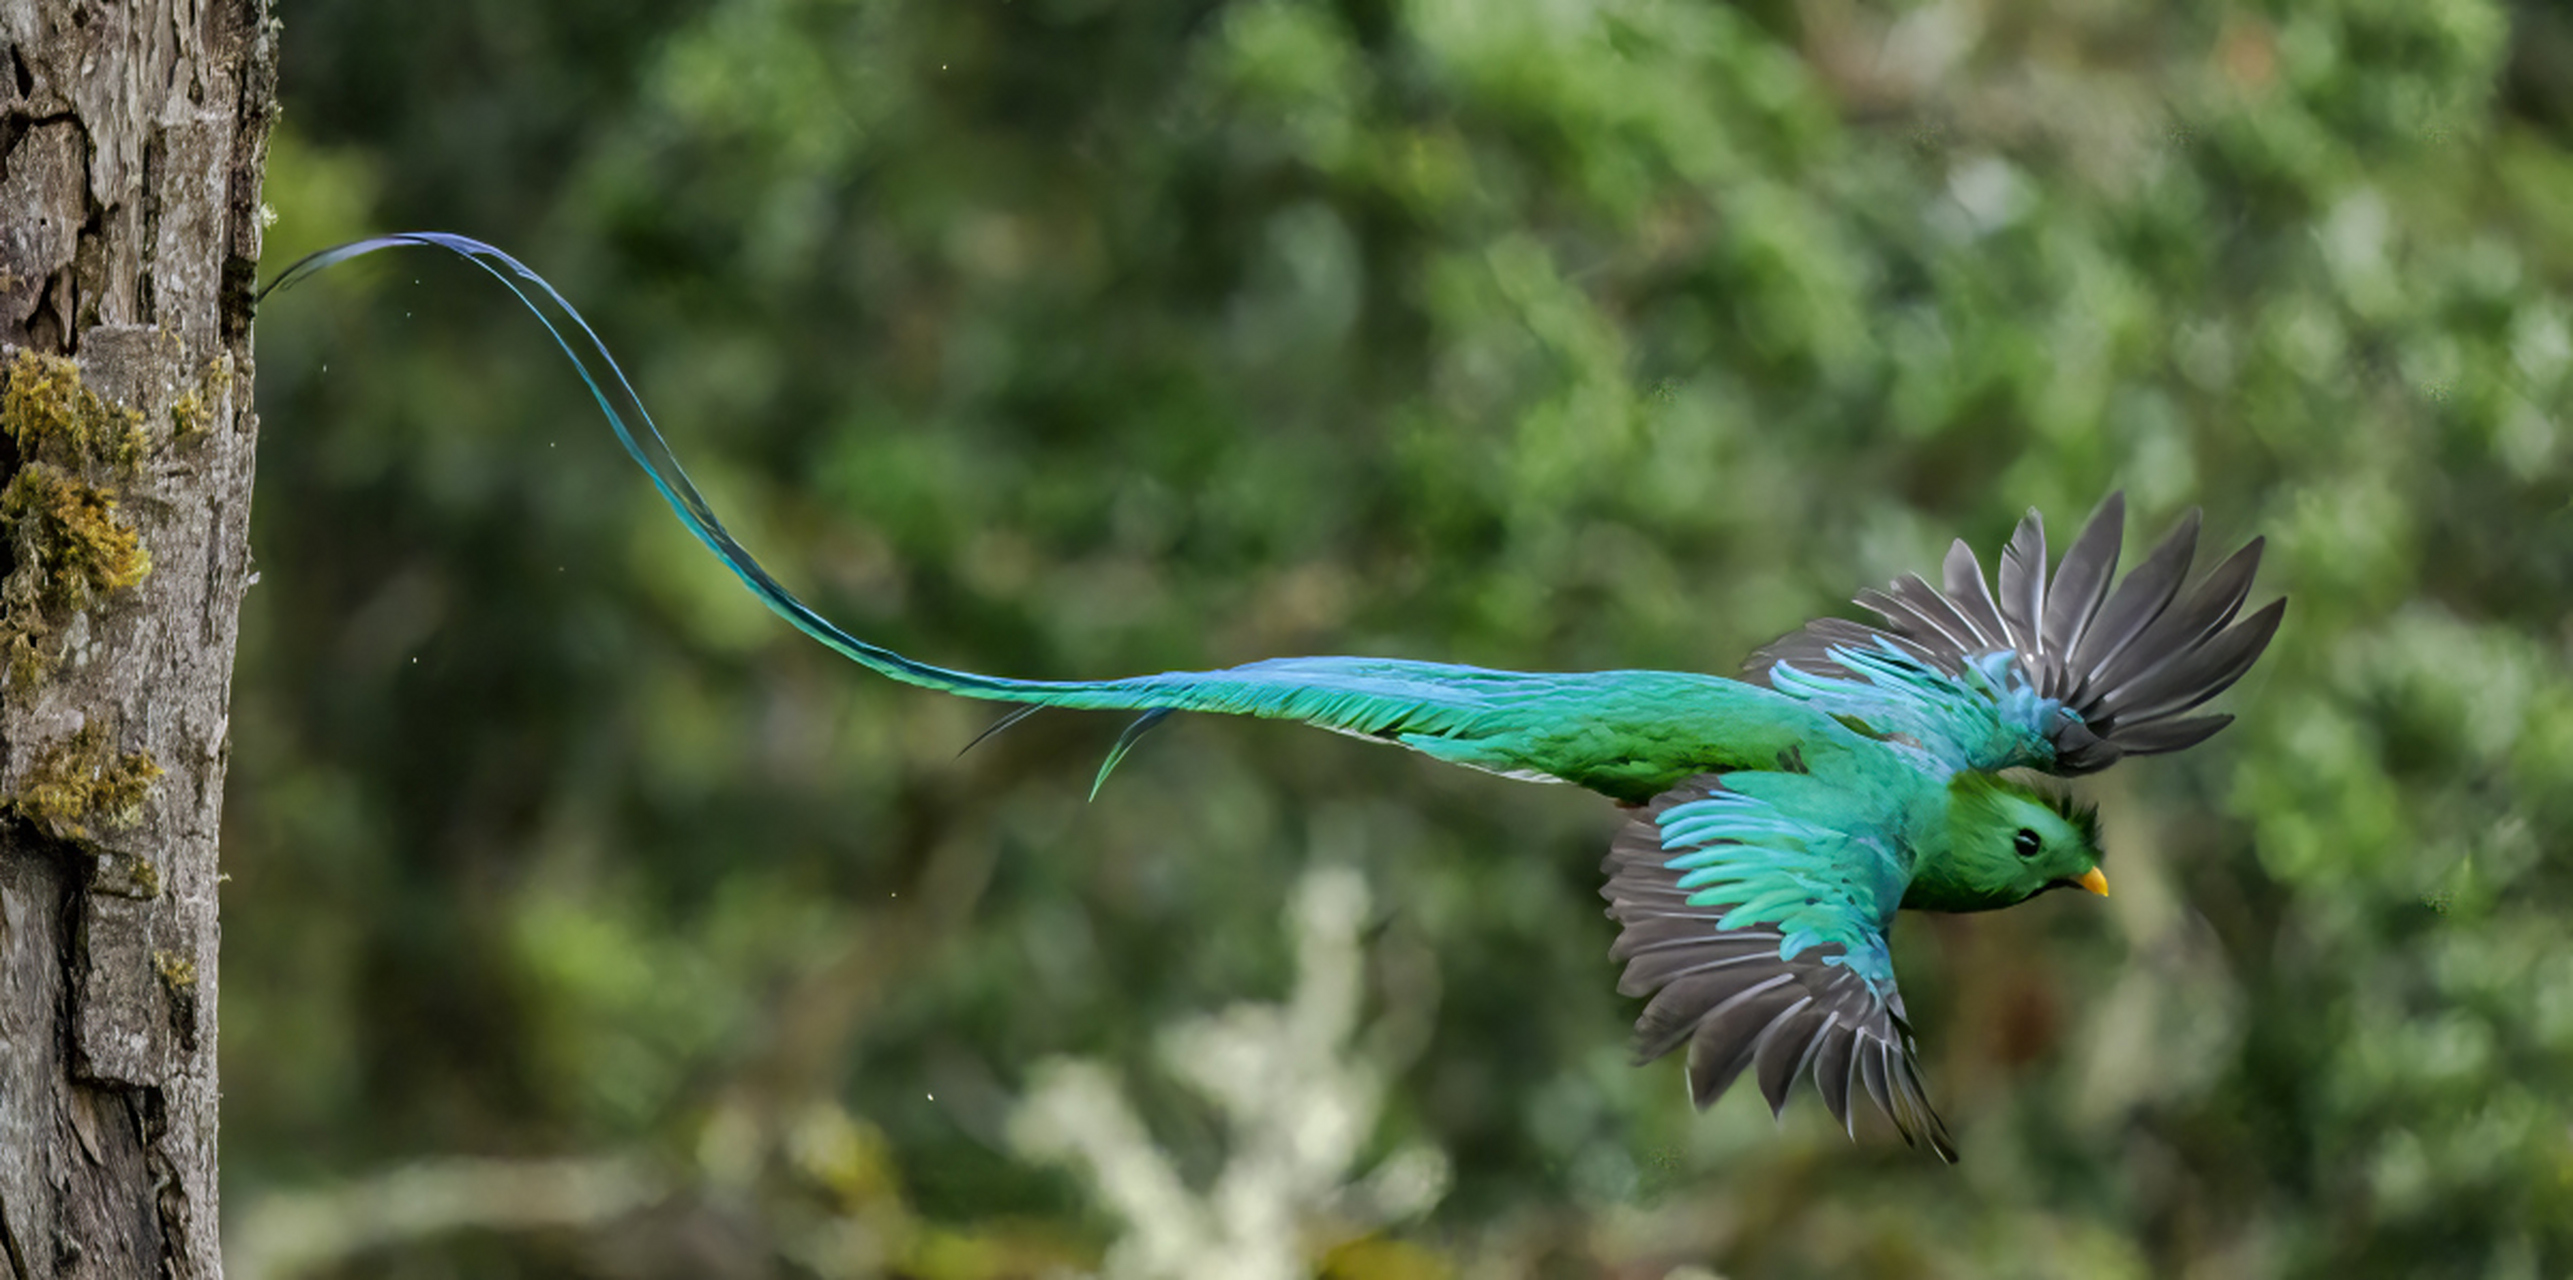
(177, 970)
(67, 543)
(188, 414)
(54, 417)
(126, 877)
(70, 547)
(192, 414)
(84, 779)
(81, 544)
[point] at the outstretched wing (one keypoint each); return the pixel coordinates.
(2097, 674)
(1758, 927)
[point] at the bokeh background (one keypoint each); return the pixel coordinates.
(584, 920)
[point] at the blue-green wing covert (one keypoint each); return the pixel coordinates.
(1758, 930)
(2066, 677)
(1985, 717)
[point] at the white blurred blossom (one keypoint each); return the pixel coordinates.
(1298, 1103)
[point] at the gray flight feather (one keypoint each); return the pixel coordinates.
(2126, 661)
(1739, 1007)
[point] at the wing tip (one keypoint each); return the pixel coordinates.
(1779, 1022)
(2130, 655)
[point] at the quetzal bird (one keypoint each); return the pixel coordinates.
(1775, 822)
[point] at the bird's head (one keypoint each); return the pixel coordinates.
(2010, 840)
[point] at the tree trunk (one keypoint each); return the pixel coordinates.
(131, 139)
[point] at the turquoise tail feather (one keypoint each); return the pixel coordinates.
(644, 443)
(1142, 725)
(1015, 715)
(1624, 733)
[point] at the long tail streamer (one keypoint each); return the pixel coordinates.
(1419, 704)
(644, 443)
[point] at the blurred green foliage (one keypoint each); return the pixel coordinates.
(1063, 338)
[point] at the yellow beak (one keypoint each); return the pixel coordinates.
(2094, 881)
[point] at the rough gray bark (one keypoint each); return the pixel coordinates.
(132, 134)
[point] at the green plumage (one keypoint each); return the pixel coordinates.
(1775, 823)
(1629, 735)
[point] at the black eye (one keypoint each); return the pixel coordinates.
(2026, 842)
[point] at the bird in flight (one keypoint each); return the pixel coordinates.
(1774, 823)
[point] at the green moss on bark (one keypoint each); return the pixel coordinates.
(68, 543)
(83, 780)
